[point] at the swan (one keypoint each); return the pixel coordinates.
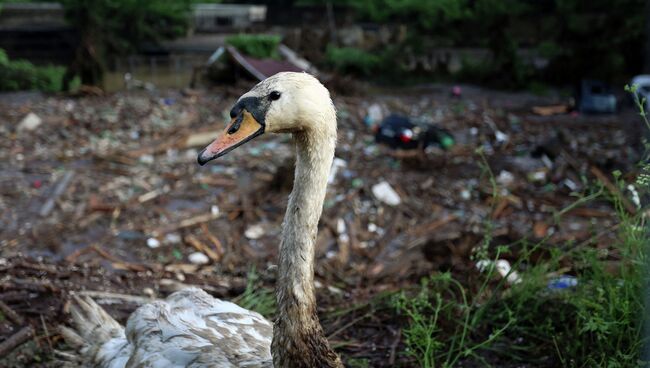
(191, 328)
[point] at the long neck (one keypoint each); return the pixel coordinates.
(298, 339)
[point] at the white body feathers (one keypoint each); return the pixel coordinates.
(188, 329)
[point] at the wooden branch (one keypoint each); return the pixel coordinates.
(215, 241)
(102, 295)
(16, 340)
(58, 190)
(198, 245)
(193, 221)
(11, 314)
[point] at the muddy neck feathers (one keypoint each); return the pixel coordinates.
(298, 339)
(191, 328)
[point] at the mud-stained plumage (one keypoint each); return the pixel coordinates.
(191, 328)
(188, 329)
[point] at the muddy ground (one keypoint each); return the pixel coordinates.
(104, 196)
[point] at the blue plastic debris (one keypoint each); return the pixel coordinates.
(562, 282)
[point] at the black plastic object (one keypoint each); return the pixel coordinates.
(398, 131)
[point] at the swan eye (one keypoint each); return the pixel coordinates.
(275, 95)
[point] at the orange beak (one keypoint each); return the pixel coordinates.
(241, 129)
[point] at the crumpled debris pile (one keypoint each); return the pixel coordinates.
(112, 183)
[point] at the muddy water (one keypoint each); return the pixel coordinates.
(161, 72)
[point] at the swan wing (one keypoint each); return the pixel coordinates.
(188, 329)
(192, 329)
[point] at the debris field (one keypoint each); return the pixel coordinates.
(102, 195)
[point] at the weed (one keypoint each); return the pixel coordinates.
(259, 46)
(599, 322)
(257, 297)
(352, 60)
(430, 311)
(23, 75)
(358, 363)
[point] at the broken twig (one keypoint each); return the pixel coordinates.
(16, 340)
(58, 190)
(11, 314)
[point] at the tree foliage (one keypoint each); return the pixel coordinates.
(19, 75)
(112, 28)
(597, 38)
(260, 46)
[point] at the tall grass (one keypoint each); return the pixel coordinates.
(596, 323)
(256, 297)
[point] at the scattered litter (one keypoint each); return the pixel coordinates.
(173, 238)
(198, 258)
(146, 159)
(562, 282)
(550, 110)
(29, 122)
(153, 243)
(137, 179)
(537, 176)
(374, 116)
(505, 178)
(341, 229)
(398, 131)
(60, 187)
(595, 97)
(336, 165)
(330, 288)
(635, 195)
(465, 194)
(501, 137)
(148, 292)
(503, 268)
(255, 232)
(385, 193)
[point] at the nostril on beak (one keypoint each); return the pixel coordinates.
(236, 125)
(235, 111)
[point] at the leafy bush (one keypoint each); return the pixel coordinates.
(352, 60)
(4, 59)
(259, 46)
(22, 75)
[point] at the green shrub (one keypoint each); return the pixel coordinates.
(4, 59)
(22, 75)
(352, 60)
(599, 322)
(259, 46)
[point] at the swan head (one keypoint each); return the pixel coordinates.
(284, 103)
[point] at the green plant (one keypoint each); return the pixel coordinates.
(256, 297)
(352, 60)
(440, 328)
(358, 363)
(260, 46)
(110, 28)
(22, 75)
(4, 59)
(599, 322)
